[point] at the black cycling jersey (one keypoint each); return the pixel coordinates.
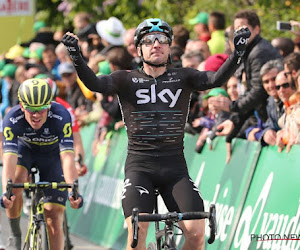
(155, 110)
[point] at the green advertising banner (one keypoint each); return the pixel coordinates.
(101, 219)
(256, 193)
(224, 185)
(271, 215)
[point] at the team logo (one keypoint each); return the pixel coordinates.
(135, 80)
(67, 130)
(166, 95)
(8, 134)
(126, 184)
(142, 190)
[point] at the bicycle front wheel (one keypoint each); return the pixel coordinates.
(41, 241)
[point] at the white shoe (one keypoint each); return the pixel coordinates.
(27, 206)
(13, 243)
(2, 246)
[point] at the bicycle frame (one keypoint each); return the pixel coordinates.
(36, 218)
(167, 232)
(37, 236)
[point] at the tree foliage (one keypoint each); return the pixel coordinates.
(58, 13)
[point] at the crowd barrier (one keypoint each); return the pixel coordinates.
(256, 193)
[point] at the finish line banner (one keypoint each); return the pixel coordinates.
(16, 22)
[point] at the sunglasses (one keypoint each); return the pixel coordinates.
(269, 80)
(287, 73)
(66, 74)
(150, 39)
(39, 110)
(284, 85)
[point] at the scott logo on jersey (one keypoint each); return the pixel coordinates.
(145, 96)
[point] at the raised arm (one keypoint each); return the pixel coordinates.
(102, 84)
(215, 79)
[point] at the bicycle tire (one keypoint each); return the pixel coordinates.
(152, 246)
(67, 241)
(41, 237)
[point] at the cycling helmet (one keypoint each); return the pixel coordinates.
(152, 25)
(35, 93)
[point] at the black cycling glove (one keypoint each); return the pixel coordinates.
(79, 196)
(240, 40)
(71, 44)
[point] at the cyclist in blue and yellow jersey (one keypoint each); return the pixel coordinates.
(154, 102)
(38, 132)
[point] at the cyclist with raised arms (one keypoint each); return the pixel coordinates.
(38, 132)
(154, 102)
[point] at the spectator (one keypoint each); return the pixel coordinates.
(43, 34)
(62, 53)
(74, 95)
(191, 59)
(111, 32)
(198, 45)
(200, 26)
(284, 45)
(129, 44)
(15, 54)
(216, 97)
(111, 119)
(51, 61)
(285, 91)
(181, 36)
(216, 27)
(9, 87)
(83, 25)
(176, 53)
(258, 52)
(266, 133)
(214, 62)
(232, 87)
(291, 67)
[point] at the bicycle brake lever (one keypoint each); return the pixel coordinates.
(8, 193)
(75, 190)
(134, 221)
(212, 224)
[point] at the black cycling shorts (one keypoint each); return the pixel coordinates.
(168, 174)
(50, 169)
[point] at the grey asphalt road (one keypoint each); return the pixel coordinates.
(79, 243)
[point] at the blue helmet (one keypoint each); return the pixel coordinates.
(152, 25)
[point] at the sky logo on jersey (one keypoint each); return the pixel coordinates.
(146, 96)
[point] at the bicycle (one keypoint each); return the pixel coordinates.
(165, 237)
(37, 234)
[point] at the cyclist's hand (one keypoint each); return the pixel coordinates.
(240, 39)
(81, 168)
(5, 202)
(71, 42)
(75, 203)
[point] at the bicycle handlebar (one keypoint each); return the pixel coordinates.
(174, 217)
(41, 185)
